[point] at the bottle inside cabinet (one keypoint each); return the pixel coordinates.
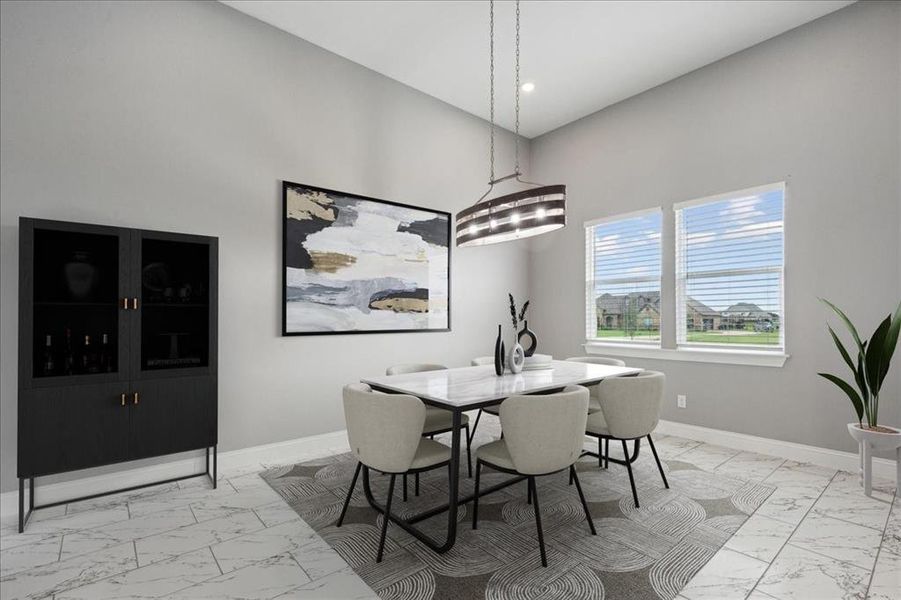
(76, 286)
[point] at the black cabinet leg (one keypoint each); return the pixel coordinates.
(21, 505)
(30, 494)
(215, 467)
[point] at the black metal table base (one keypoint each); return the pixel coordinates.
(25, 516)
(454, 499)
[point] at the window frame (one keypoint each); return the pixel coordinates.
(666, 349)
(681, 277)
(590, 324)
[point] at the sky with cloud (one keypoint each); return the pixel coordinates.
(742, 235)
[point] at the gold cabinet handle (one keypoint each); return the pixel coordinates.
(134, 303)
(124, 303)
(123, 398)
(137, 398)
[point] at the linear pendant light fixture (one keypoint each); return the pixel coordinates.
(518, 215)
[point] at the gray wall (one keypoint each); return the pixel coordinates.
(818, 107)
(186, 117)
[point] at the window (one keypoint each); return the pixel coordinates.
(729, 270)
(622, 278)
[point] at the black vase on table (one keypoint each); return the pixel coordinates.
(499, 352)
(532, 344)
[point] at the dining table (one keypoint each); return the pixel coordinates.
(462, 389)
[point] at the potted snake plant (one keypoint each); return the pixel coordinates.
(869, 362)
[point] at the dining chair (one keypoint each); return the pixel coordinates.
(543, 435)
(630, 410)
(437, 420)
(384, 434)
(593, 403)
(493, 409)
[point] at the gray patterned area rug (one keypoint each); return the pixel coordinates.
(650, 552)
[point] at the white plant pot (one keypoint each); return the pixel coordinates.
(870, 441)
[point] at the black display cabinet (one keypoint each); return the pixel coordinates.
(117, 348)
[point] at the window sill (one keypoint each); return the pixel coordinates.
(754, 358)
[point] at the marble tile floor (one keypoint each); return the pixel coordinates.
(817, 537)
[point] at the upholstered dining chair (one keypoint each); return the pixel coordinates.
(593, 403)
(384, 434)
(630, 410)
(493, 409)
(437, 420)
(543, 434)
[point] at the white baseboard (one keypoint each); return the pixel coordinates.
(824, 457)
(289, 451)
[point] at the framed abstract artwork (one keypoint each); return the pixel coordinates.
(354, 264)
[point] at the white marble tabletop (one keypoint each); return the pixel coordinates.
(472, 386)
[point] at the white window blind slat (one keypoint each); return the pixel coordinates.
(730, 270)
(622, 279)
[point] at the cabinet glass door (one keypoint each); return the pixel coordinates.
(175, 305)
(78, 329)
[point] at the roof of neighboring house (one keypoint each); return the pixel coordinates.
(747, 310)
(701, 308)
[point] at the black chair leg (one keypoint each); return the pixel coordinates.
(378, 557)
(659, 466)
(570, 477)
(575, 476)
(468, 453)
(629, 468)
(475, 500)
(417, 485)
(350, 491)
(607, 453)
(600, 455)
(472, 433)
(405, 486)
(538, 521)
(528, 492)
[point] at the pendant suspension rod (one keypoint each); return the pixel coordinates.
(491, 78)
(516, 92)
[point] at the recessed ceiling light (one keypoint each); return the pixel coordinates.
(528, 87)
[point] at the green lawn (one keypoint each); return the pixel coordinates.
(743, 337)
(713, 337)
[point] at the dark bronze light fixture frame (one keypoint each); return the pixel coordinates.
(520, 214)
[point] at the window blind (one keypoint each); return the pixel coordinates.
(622, 290)
(729, 270)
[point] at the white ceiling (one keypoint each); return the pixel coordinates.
(582, 56)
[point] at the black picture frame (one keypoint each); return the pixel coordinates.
(286, 185)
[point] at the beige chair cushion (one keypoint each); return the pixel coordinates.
(413, 368)
(438, 419)
(384, 430)
(596, 424)
(631, 405)
(545, 433)
(496, 454)
(430, 453)
(594, 404)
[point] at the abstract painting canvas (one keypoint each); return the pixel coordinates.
(354, 264)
